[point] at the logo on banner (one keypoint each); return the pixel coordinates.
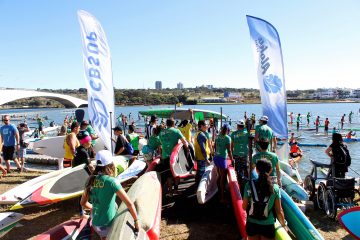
(272, 83)
(264, 59)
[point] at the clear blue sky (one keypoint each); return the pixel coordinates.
(190, 41)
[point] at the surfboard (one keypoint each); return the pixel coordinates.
(298, 223)
(349, 219)
(8, 221)
(280, 232)
(72, 229)
(53, 146)
(67, 185)
(351, 139)
(153, 165)
(237, 201)
(21, 191)
(180, 165)
(145, 193)
(292, 188)
(291, 171)
(133, 170)
(208, 185)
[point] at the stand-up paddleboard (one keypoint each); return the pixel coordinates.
(8, 221)
(237, 201)
(280, 232)
(305, 144)
(145, 193)
(181, 165)
(79, 114)
(351, 139)
(53, 146)
(298, 223)
(153, 165)
(67, 185)
(291, 171)
(21, 191)
(292, 188)
(142, 143)
(208, 185)
(133, 170)
(72, 229)
(349, 219)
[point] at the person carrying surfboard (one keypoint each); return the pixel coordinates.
(101, 190)
(261, 197)
(222, 154)
(202, 150)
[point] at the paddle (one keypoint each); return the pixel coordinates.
(79, 114)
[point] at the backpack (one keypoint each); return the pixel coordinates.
(342, 156)
(258, 209)
(129, 148)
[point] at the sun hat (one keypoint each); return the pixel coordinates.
(103, 158)
(264, 118)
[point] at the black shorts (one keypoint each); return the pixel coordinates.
(294, 155)
(8, 152)
(326, 128)
(253, 229)
(164, 169)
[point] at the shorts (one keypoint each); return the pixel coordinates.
(220, 162)
(326, 128)
(21, 153)
(253, 229)
(241, 166)
(67, 163)
(201, 165)
(8, 152)
(101, 231)
(164, 169)
(294, 155)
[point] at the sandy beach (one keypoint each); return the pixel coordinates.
(182, 217)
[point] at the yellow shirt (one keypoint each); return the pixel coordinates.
(186, 131)
(68, 153)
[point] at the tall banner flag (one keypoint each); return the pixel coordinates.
(98, 74)
(266, 46)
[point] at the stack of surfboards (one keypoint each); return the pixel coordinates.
(145, 193)
(208, 185)
(349, 219)
(8, 220)
(181, 164)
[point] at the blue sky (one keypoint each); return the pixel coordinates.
(190, 41)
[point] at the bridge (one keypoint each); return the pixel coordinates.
(10, 95)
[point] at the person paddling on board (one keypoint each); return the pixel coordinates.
(240, 149)
(326, 126)
(261, 197)
(342, 121)
(317, 123)
(222, 153)
(101, 190)
(272, 157)
(350, 134)
(308, 118)
(298, 120)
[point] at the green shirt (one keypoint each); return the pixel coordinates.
(221, 143)
(102, 196)
(264, 131)
(154, 142)
(272, 157)
(169, 137)
(134, 140)
(91, 131)
(298, 119)
(240, 139)
(276, 195)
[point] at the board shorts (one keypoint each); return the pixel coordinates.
(8, 152)
(102, 231)
(21, 153)
(326, 128)
(253, 229)
(220, 162)
(241, 166)
(294, 155)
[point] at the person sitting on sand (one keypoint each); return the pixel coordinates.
(101, 190)
(260, 217)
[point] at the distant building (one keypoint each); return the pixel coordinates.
(180, 86)
(209, 86)
(233, 96)
(326, 94)
(355, 93)
(158, 85)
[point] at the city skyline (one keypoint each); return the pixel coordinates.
(195, 43)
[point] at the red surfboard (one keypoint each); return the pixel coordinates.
(181, 165)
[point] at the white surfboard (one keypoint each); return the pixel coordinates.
(23, 190)
(208, 185)
(133, 170)
(53, 146)
(8, 220)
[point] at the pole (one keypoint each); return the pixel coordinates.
(111, 123)
(221, 115)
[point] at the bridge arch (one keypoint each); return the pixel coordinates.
(10, 95)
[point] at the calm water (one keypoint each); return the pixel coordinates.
(333, 111)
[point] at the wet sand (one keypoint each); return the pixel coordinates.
(182, 217)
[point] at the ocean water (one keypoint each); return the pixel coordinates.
(333, 111)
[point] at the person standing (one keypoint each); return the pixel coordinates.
(291, 117)
(169, 138)
(326, 126)
(149, 128)
(264, 131)
(340, 156)
(350, 116)
(308, 118)
(298, 120)
(22, 128)
(342, 121)
(120, 142)
(202, 150)
(10, 141)
(240, 149)
(133, 138)
(222, 153)
(71, 142)
(317, 123)
(185, 128)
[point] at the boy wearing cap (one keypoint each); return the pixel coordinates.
(264, 131)
(240, 148)
(120, 142)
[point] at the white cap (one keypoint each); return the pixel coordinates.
(241, 122)
(105, 157)
(264, 118)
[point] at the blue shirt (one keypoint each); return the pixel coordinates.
(8, 133)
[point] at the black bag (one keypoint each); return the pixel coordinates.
(258, 209)
(23, 144)
(341, 156)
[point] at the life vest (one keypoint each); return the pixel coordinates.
(294, 148)
(198, 153)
